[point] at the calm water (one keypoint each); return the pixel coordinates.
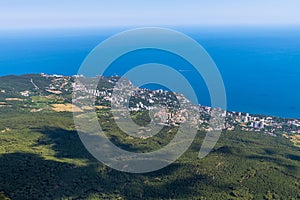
(260, 67)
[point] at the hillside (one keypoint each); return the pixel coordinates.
(42, 157)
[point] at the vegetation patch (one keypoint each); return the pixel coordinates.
(14, 99)
(65, 108)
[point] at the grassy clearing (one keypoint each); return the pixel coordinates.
(14, 99)
(65, 108)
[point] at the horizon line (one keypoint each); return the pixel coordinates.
(261, 25)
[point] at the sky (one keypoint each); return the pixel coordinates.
(27, 14)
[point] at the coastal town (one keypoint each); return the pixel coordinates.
(122, 94)
(197, 115)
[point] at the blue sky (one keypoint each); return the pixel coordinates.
(99, 13)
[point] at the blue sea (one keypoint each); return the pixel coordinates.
(260, 66)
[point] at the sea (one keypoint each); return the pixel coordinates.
(260, 66)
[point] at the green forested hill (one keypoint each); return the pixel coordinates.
(14, 84)
(42, 157)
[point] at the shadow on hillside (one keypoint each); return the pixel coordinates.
(65, 143)
(293, 157)
(30, 176)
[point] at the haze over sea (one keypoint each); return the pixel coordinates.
(260, 66)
